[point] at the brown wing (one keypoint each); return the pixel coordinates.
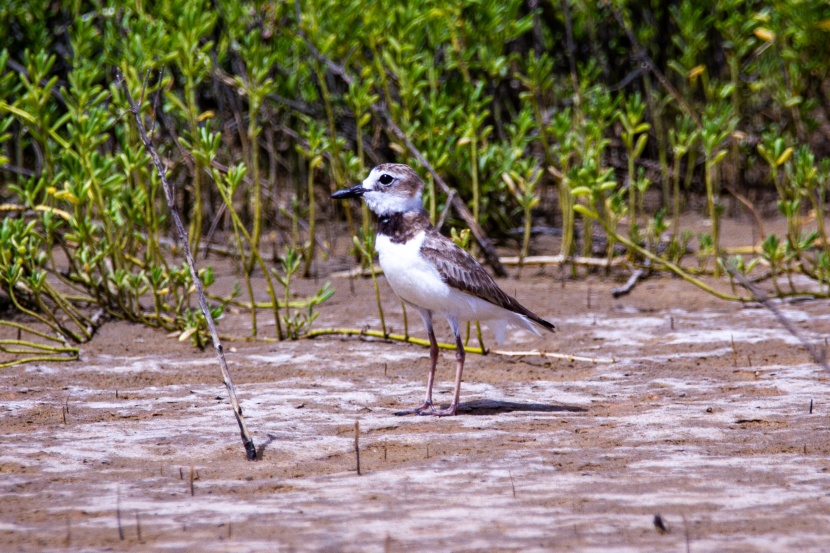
(460, 270)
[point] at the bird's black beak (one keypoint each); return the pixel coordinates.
(355, 191)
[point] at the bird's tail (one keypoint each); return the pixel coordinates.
(518, 320)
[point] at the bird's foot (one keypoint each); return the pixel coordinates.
(425, 408)
(450, 411)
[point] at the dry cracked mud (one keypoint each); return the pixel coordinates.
(712, 416)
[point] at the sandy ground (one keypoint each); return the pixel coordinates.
(711, 416)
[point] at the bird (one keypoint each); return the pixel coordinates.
(430, 272)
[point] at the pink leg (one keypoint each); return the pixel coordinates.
(426, 408)
(460, 354)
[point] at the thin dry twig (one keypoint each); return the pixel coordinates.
(751, 208)
(531, 260)
(639, 53)
(357, 444)
(444, 345)
(603, 262)
(819, 356)
(630, 284)
(118, 514)
(379, 109)
(551, 355)
(250, 448)
(192, 487)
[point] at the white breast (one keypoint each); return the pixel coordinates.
(416, 281)
(410, 276)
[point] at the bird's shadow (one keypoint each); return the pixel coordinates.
(494, 407)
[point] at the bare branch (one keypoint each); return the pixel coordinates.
(380, 110)
(248, 442)
(648, 64)
(819, 357)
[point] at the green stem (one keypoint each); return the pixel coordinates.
(632, 191)
(713, 216)
(385, 336)
(253, 138)
(377, 296)
(364, 209)
(34, 345)
(312, 240)
(676, 198)
(817, 199)
(405, 320)
(474, 171)
(255, 255)
(669, 265)
(196, 222)
(30, 331)
(480, 338)
(42, 359)
(55, 327)
(433, 210)
(526, 235)
(566, 203)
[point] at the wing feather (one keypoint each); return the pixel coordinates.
(460, 270)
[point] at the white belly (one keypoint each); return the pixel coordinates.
(417, 282)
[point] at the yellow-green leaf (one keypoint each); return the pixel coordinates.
(509, 182)
(641, 144)
(68, 196)
(794, 101)
(763, 151)
(764, 34)
(782, 159)
(695, 72)
(585, 212)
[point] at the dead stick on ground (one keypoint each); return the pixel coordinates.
(192, 488)
(118, 514)
(819, 357)
(628, 286)
(357, 444)
(365, 332)
(250, 449)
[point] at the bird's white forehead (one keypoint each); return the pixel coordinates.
(387, 170)
(377, 172)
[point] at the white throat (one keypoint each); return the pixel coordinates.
(388, 203)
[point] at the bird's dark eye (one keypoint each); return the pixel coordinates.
(386, 179)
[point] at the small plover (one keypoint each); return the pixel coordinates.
(430, 272)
